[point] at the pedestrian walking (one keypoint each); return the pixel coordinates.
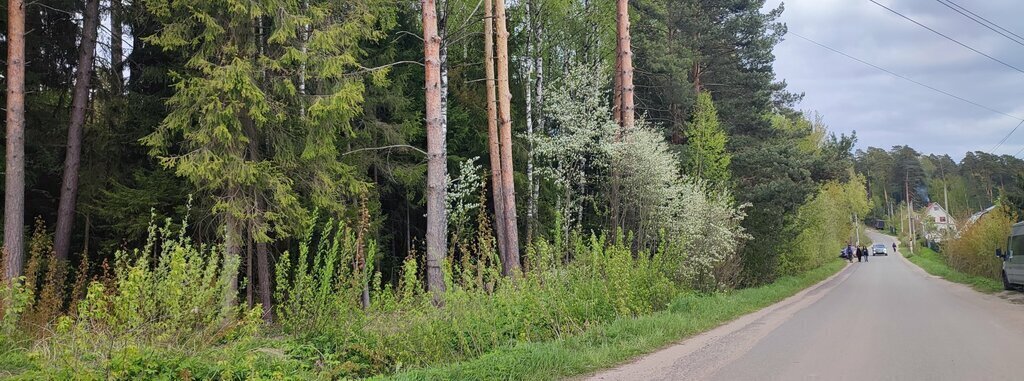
(867, 254)
(894, 247)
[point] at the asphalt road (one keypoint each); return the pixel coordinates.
(882, 320)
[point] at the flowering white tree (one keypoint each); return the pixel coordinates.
(574, 155)
(696, 228)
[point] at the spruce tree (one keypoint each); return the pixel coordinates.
(256, 118)
(705, 155)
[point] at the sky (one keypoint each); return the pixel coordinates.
(885, 110)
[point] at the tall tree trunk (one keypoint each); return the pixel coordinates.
(528, 90)
(360, 258)
(493, 141)
(73, 155)
(14, 185)
(232, 252)
(250, 293)
(617, 86)
(116, 44)
(626, 65)
(263, 275)
(510, 266)
(442, 31)
(538, 109)
(257, 229)
(437, 223)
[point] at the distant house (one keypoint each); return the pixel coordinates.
(940, 219)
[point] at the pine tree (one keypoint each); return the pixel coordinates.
(73, 155)
(14, 181)
(510, 264)
(437, 222)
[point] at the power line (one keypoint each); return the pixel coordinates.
(984, 19)
(946, 93)
(948, 37)
(908, 79)
(1000, 144)
(978, 19)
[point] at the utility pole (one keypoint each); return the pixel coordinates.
(856, 227)
(910, 209)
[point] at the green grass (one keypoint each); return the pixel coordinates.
(606, 345)
(934, 264)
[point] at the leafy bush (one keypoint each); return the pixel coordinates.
(167, 302)
(973, 251)
(402, 329)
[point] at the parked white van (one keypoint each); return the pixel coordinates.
(1013, 258)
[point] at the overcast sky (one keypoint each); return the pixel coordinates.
(885, 110)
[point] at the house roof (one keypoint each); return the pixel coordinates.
(974, 217)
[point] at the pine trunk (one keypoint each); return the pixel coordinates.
(436, 155)
(14, 177)
(117, 44)
(494, 143)
(511, 265)
(626, 65)
(73, 155)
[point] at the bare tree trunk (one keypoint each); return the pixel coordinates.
(442, 30)
(73, 155)
(116, 44)
(14, 180)
(494, 143)
(232, 252)
(263, 279)
(626, 63)
(437, 223)
(250, 293)
(528, 89)
(617, 86)
(539, 86)
(305, 37)
(360, 259)
(510, 266)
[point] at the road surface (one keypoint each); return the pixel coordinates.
(882, 320)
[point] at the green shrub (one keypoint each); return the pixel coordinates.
(973, 252)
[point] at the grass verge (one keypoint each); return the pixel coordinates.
(606, 345)
(934, 264)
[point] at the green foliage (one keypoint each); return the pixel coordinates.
(704, 155)
(972, 252)
(166, 298)
(824, 224)
(256, 116)
(621, 339)
(935, 264)
(319, 303)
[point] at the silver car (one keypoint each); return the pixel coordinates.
(879, 249)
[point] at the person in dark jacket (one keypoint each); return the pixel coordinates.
(864, 251)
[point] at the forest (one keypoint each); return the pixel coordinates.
(307, 189)
(963, 188)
